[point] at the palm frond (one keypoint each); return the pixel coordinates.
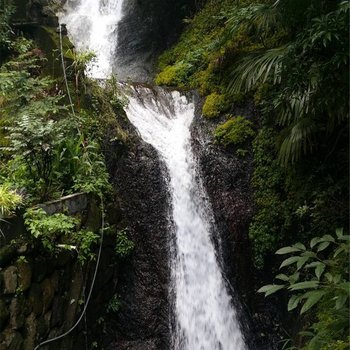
(258, 68)
(298, 139)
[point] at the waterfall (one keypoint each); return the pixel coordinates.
(204, 314)
(93, 25)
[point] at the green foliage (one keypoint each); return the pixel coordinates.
(124, 246)
(214, 105)
(299, 71)
(6, 10)
(49, 228)
(272, 220)
(236, 131)
(318, 276)
(114, 304)
(85, 240)
(9, 200)
(60, 231)
(34, 141)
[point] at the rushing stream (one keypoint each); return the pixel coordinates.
(204, 315)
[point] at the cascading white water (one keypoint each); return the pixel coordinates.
(204, 314)
(205, 318)
(93, 25)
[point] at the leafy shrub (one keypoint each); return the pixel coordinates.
(124, 246)
(60, 230)
(49, 228)
(320, 278)
(9, 200)
(214, 105)
(236, 131)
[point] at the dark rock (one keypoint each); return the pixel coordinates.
(11, 340)
(36, 299)
(149, 344)
(31, 335)
(17, 315)
(147, 28)
(39, 269)
(24, 275)
(64, 257)
(48, 292)
(139, 179)
(7, 253)
(10, 279)
(4, 315)
(57, 311)
(74, 295)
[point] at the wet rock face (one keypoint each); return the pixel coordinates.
(227, 178)
(148, 27)
(138, 176)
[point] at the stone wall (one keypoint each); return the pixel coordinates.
(42, 294)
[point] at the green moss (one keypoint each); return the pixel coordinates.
(236, 131)
(214, 105)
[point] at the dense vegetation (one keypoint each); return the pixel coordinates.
(52, 137)
(290, 58)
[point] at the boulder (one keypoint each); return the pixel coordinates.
(17, 308)
(10, 280)
(24, 275)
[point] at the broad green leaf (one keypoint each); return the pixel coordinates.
(302, 261)
(294, 278)
(341, 300)
(345, 238)
(313, 264)
(290, 261)
(293, 302)
(315, 241)
(329, 277)
(282, 277)
(319, 270)
(270, 289)
(327, 238)
(287, 250)
(323, 246)
(339, 232)
(309, 254)
(312, 299)
(299, 246)
(341, 249)
(304, 285)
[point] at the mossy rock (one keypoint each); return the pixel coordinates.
(175, 75)
(236, 131)
(214, 105)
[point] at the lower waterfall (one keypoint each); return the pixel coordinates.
(204, 316)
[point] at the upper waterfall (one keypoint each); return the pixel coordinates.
(93, 25)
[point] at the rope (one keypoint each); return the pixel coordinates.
(91, 288)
